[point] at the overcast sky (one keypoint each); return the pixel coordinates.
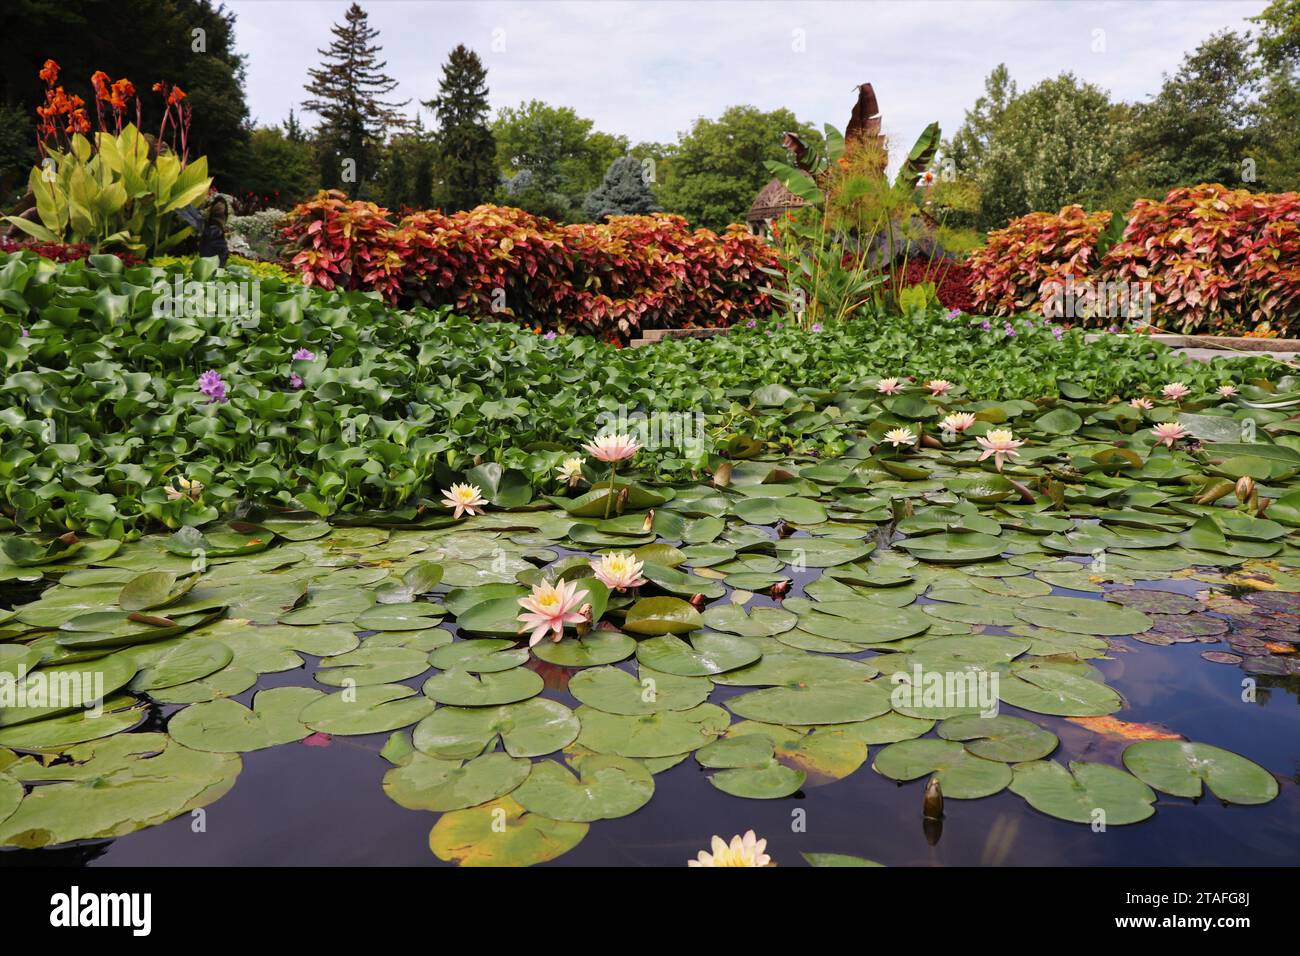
(647, 69)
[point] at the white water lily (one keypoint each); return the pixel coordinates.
(900, 436)
(465, 499)
(744, 850)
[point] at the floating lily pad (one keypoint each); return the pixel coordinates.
(463, 689)
(376, 709)
(615, 691)
(661, 734)
(1157, 602)
(532, 728)
(479, 656)
(835, 702)
(962, 776)
(226, 726)
(502, 833)
(590, 650)
(706, 653)
(760, 622)
(1082, 616)
(662, 615)
(1089, 793)
(606, 788)
(1005, 738)
(427, 783)
(1180, 767)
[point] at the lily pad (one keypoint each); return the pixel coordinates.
(1005, 738)
(502, 833)
(962, 775)
(226, 726)
(1086, 793)
(427, 783)
(532, 728)
(706, 653)
(1180, 767)
(606, 788)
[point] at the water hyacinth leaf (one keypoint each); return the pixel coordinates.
(663, 734)
(606, 788)
(701, 655)
(227, 726)
(1180, 767)
(376, 709)
(462, 689)
(532, 728)
(1006, 738)
(962, 776)
(662, 615)
(1085, 793)
(475, 837)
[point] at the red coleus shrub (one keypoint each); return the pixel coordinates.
(607, 280)
(1020, 265)
(954, 281)
(1216, 258)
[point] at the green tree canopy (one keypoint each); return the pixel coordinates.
(717, 167)
(465, 141)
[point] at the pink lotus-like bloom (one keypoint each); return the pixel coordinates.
(956, 423)
(1143, 403)
(619, 571)
(1169, 432)
(939, 386)
(612, 448)
(889, 386)
(466, 499)
(549, 608)
(1226, 391)
(999, 443)
(1175, 391)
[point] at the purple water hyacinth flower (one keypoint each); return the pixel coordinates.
(1057, 332)
(295, 380)
(211, 385)
(750, 324)
(550, 335)
(954, 313)
(1113, 329)
(986, 325)
(1009, 329)
(816, 326)
(304, 355)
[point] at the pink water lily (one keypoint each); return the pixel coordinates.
(549, 608)
(619, 571)
(1226, 391)
(612, 448)
(939, 386)
(465, 499)
(999, 443)
(889, 386)
(1143, 403)
(956, 423)
(1169, 432)
(1175, 391)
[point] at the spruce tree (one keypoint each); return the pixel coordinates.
(623, 192)
(347, 93)
(465, 142)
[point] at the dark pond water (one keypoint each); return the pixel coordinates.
(300, 804)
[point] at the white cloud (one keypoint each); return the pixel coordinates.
(647, 69)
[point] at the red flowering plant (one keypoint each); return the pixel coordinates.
(111, 188)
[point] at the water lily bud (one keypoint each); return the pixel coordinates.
(722, 475)
(932, 808)
(621, 502)
(582, 627)
(697, 601)
(649, 522)
(1245, 488)
(780, 588)
(783, 530)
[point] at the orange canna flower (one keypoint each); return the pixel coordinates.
(99, 80)
(78, 123)
(176, 95)
(50, 72)
(123, 90)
